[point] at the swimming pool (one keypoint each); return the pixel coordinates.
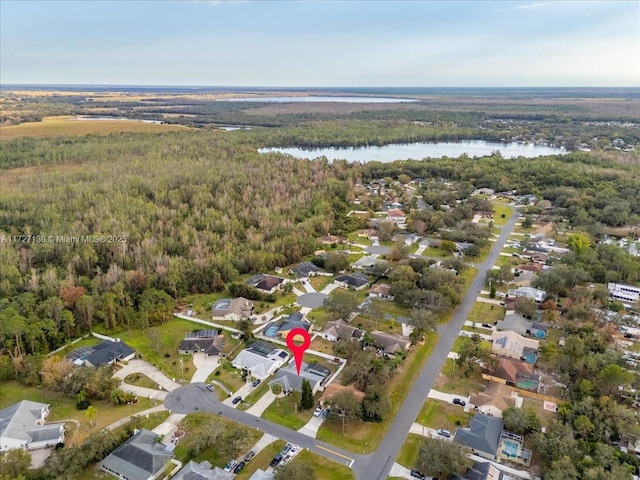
(510, 448)
(271, 331)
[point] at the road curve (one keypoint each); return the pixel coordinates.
(383, 458)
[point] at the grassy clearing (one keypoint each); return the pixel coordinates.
(228, 376)
(68, 125)
(320, 281)
(323, 468)
(283, 413)
(408, 456)
(63, 408)
(161, 348)
(453, 380)
(486, 313)
(363, 437)
(500, 209)
(437, 253)
(141, 380)
(438, 414)
(321, 345)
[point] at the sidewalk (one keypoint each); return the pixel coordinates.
(262, 404)
(169, 426)
(311, 428)
(143, 413)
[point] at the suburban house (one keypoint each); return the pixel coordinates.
(396, 215)
(260, 360)
(529, 292)
(105, 353)
(202, 471)
(210, 342)
(366, 262)
(531, 267)
(232, 309)
(513, 373)
(331, 240)
(293, 321)
(22, 425)
(262, 475)
(487, 471)
(335, 331)
(626, 294)
(266, 283)
(357, 281)
(495, 399)
(381, 291)
(510, 344)
(141, 457)
(288, 376)
(482, 436)
(389, 343)
(407, 238)
(517, 323)
(304, 270)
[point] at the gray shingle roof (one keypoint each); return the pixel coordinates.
(482, 435)
(19, 422)
(139, 457)
(106, 352)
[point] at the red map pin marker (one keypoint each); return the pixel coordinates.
(298, 350)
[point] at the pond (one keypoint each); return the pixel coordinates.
(420, 150)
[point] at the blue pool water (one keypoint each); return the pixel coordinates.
(511, 448)
(271, 331)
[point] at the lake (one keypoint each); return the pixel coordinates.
(420, 150)
(319, 99)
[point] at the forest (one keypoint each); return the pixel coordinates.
(115, 230)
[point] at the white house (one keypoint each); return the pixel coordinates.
(529, 292)
(261, 359)
(624, 293)
(23, 425)
(232, 309)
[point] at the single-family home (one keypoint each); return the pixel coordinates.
(517, 323)
(261, 359)
(627, 294)
(141, 457)
(382, 291)
(482, 436)
(289, 379)
(293, 321)
(23, 425)
(262, 475)
(210, 342)
(331, 240)
(524, 278)
(365, 262)
(304, 270)
(529, 292)
(406, 238)
(510, 344)
(335, 331)
(532, 267)
(396, 215)
(389, 343)
(202, 471)
(495, 399)
(488, 471)
(357, 281)
(235, 309)
(265, 283)
(105, 353)
(513, 373)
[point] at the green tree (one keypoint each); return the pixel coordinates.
(336, 262)
(441, 459)
(345, 407)
(422, 321)
(342, 303)
(307, 395)
(473, 351)
(527, 307)
(521, 420)
(295, 396)
(90, 413)
(276, 389)
(375, 404)
(613, 376)
(14, 463)
(562, 469)
(579, 242)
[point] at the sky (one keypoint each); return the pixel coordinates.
(321, 43)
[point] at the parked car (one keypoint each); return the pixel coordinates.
(239, 467)
(487, 325)
(236, 400)
(457, 401)
(417, 474)
(249, 456)
(210, 387)
(444, 433)
(317, 412)
(294, 450)
(230, 466)
(276, 460)
(256, 382)
(287, 448)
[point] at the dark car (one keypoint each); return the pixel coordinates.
(249, 456)
(487, 325)
(239, 468)
(286, 449)
(417, 474)
(236, 400)
(276, 460)
(210, 387)
(256, 383)
(457, 401)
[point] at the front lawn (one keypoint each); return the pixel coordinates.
(439, 414)
(483, 312)
(261, 460)
(408, 456)
(501, 214)
(452, 379)
(282, 412)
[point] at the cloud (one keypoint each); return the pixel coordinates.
(529, 6)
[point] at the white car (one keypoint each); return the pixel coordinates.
(318, 411)
(230, 466)
(294, 450)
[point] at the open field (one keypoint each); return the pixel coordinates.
(284, 414)
(68, 125)
(437, 414)
(453, 379)
(486, 313)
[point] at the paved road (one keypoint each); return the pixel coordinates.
(196, 398)
(377, 465)
(382, 460)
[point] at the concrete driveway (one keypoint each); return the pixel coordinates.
(446, 397)
(311, 300)
(140, 366)
(329, 288)
(205, 366)
(311, 428)
(262, 404)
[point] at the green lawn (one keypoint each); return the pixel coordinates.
(254, 395)
(500, 209)
(453, 380)
(141, 380)
(228, 376)
(408, 456)
(324, 469)
(364, 437)
(283, 413)
(438, 414)
(63, 408)
(261, 460)
(437, 253)
(486, 313)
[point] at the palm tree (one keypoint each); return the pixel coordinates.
(276, 389)
(296, 396)
(90, 412)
